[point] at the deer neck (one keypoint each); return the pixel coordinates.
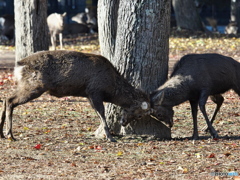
(176, 90)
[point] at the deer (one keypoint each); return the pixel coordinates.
(87, 18)
(55, 23)
(75, 28)
(195, 77)
(80, 18)
(69, 73)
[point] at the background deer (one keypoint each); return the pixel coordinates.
(55, 23)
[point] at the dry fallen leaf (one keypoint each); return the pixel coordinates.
(120, 153)
(227, 154)
(212, 155)
(38, 146)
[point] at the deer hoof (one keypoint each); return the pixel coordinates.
(11, 138)
(112, 140)
(215, 136)
(195, 137)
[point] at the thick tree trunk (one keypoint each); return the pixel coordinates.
(134, 37)
(186, 15)
(30, 27)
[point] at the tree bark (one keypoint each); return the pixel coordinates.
(235, 13)
(134, 36)
(30, 27)
(186, 15)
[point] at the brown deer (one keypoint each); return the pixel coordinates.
(70, 73)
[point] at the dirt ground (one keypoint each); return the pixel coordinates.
(55, 140)
(7, 59)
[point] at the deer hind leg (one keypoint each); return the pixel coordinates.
(97, 103)
(218, 100)
(3, 116)
(22, 96)
(202, 102)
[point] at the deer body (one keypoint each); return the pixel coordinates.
(69, 73)
(194, 78)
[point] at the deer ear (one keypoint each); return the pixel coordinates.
(86, 10)
(159, 98)
(64, 14)
(144, 105)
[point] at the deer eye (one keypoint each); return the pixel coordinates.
(139, 116)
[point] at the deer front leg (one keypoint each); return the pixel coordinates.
(105, 127)
(53, 41)
(194, 108)
(61, 40)
(97, 104)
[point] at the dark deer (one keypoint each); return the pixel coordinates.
(80, 18)
(87, 18)
(75, 28)
(194, 78)
(69, 73)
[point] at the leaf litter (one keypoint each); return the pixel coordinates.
(55, 137)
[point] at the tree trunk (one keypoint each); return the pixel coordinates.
(186, 15)
(235, 13)
(134, 36)
(30, 27)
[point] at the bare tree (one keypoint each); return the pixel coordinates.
(30, 27)
(134, 37)
(186, 15)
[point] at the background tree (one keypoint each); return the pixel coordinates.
(134, 36)
(235, 13)
(186, 15)
(30, 27)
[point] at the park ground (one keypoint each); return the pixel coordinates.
(55, 137)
